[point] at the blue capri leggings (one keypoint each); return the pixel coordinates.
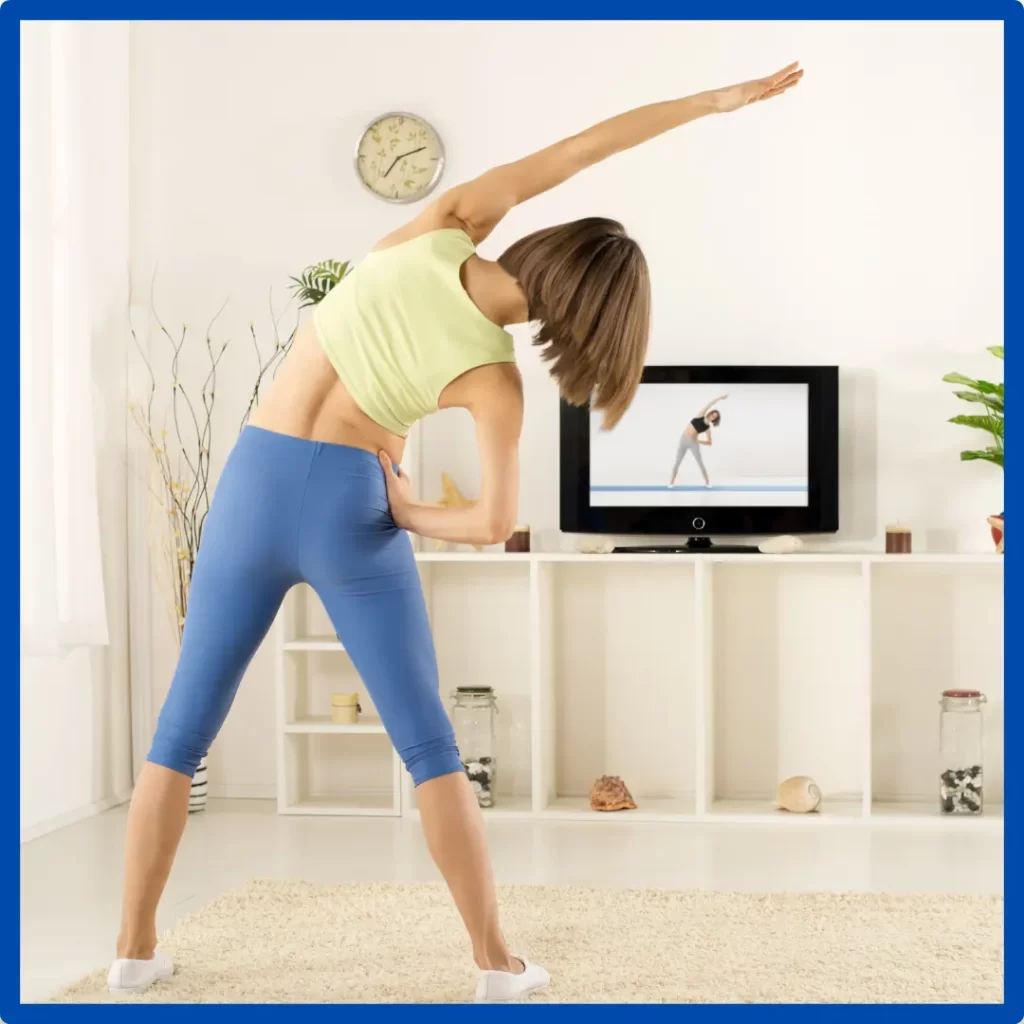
(289, 511)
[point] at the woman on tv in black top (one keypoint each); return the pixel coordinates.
(691, 441)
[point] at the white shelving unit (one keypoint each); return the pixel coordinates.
(323, 768)
(701, 680)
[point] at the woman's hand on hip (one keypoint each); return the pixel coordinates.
(733, 97)
(399, 491)
(493, 394)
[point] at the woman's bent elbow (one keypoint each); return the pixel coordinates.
(498, 531)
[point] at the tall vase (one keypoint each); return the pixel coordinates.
(197, 797)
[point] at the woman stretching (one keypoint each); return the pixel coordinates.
(312, 492)
(700, 426)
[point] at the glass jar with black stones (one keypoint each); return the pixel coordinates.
(961, 779)
(474, 717)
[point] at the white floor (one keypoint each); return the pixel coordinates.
(70, 880)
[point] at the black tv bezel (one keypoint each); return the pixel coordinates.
(821, 515)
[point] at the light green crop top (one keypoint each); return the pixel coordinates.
(401, 327)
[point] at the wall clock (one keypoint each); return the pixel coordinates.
(399, 157)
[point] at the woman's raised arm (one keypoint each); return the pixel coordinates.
(480, 204)
(714, 401)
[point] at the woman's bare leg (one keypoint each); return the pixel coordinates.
(455, 834)
(156, 821)
(680, 454)
(700, 462)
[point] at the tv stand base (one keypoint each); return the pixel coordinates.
(693, 546)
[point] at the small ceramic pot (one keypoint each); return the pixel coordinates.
(345, 708)
(996, 524)
(519, 542)
(898, 540)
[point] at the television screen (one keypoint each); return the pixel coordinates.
(702, 450)
(706, 445)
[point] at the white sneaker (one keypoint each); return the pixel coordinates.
(502, 987)
(137, 975)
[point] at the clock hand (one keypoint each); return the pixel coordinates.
(402, 157)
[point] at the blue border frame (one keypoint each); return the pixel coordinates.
(1010, 12)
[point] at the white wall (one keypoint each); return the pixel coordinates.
(857, 221)
(75, 712)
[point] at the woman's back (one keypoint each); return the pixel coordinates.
(386, 342)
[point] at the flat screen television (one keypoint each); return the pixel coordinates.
(707, 450)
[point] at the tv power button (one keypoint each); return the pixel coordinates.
(699, 524)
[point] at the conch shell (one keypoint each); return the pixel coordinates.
(609, 793)
(799, 794)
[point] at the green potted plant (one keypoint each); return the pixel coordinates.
(989, 419)
(317, 280)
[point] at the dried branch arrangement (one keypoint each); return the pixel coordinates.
(176, 420)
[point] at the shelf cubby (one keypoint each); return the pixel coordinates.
(935, 627)
(488, 607)
(341, 774)
(789, 684)
(615, 685)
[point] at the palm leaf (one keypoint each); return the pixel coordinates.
(992, 396)
(993, 402)
(316, 281)
(992, 424)
(984, 386)
(993, 455)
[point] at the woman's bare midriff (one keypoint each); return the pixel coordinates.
(307, 400)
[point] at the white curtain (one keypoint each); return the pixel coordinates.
(62, 598)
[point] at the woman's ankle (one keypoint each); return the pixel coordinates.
(498, 961)
(136, 948)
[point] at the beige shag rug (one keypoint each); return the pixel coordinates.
(289, 942)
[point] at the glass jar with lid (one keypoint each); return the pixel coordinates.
(961, 779)
(474, 717)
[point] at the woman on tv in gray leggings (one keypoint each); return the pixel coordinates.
(690, 441)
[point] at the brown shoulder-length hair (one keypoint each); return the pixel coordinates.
(588, 289)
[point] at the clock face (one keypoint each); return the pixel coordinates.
(400, 158)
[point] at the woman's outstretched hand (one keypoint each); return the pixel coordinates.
(733, 97)
(399, 491)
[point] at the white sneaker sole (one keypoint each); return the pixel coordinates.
(163, 970)
(485, 990)
(132, 990)
(517, 999)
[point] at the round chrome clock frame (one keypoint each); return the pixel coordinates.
(438, 169)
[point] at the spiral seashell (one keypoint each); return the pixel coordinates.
(800, 794)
